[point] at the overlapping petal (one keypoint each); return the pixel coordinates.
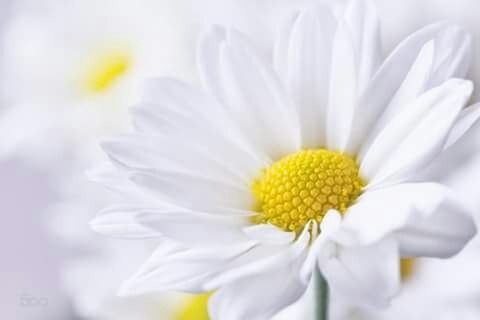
(409, 71)
(419, 215)
(251, 92)
(395, 152)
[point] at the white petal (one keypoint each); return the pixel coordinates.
(453, 49)
(430, 135)
(415, 83)
(254, 97)
(263, 257)
(361, 18)
(139, 152)
(192, 191)
(459, 168)
(206, 267)
(302, 60)
(173, 110)
(427, 211)
(183, 226)
(267, 233)
(374, 153)
(122, 222)
(356, 56)
(322, 247)
(252, 297)
(441, 233)
(187, 269)
(117, 180)
(343, 89)
(417, 134)
(393, 71)
(365, 275)
(467, 118)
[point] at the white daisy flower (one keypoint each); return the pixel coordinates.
(71, 68)
(324, 160)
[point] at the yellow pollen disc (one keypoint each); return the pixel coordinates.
(194, 308)
(104, 69)
(407, 268)
(303, 186)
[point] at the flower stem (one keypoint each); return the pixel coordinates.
(321, 296)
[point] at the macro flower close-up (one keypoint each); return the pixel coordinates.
(234, 160)
(322, 163)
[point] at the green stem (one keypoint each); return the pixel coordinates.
(321, 296)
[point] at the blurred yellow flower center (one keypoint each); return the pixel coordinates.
(407, 268)
(105, 68)
(303, 186)
(194, 308)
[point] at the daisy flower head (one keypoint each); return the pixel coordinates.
(70, 69)
(319, 160)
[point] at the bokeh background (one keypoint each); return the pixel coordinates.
(31, 257)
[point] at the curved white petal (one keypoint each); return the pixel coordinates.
(187, 268)
(392, 75)
(251, 297)
(170, 223)
(253, 95)
(144, 152)
(423, 212)
(302, 60)
(267, 233)
(362, 20)
(374, 154)
(415, 83)
(171, 110)
(364, 275)
(355, 59)
(453, 54)
(322, 248)
(211, 265)
(343, 89)
(118, 181)
(465, 121)
(459, 167)
(263, 256)
(417, 134)
(193, 191)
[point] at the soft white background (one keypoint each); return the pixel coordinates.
(30, 259)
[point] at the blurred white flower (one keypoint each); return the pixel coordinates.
(70, 69)
(241, 177)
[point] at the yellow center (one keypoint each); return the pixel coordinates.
(407, 268)
(304, 186)
(104, 68)
(194, 308)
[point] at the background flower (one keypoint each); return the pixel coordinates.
(71, 69)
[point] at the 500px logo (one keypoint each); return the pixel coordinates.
(28, 300)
